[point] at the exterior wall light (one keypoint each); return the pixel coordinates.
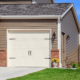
(53, 36)
(68, 37)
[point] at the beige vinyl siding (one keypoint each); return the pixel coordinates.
(15, 2)
(68, 26)
(43, 1)
(26, 24)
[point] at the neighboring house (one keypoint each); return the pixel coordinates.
(32, 34)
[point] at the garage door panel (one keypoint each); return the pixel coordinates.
(40, 63)
(47, 62)
(19, 53)
(28, 62)
(46, 35)
(18, 62)
(12, 62)
(35, 44)
(25, 42)
(43, 44)
(37, 53)
(40, 53)
(14, 43)
(25, 53)
(13, 53)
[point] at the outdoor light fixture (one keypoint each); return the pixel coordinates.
(53, 36)
(68, 37)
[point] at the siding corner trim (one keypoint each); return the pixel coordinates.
(59, 40)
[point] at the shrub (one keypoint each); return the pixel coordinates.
(78, 64)
(74, 65)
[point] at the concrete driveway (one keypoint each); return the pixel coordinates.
(6, 73)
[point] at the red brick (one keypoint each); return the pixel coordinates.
(54, 54)
(3, 58)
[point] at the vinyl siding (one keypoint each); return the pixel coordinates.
(43, 1)
(24, 1)
(16, 2)
(26, 24)
(68, 26)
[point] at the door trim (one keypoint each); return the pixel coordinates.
(63, 49)
(50, 45)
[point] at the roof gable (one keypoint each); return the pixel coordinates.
(74, 14)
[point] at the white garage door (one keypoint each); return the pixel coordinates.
(29, 49)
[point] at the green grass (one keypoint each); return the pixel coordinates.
(52, 74)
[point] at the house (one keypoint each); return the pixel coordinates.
(33, 33)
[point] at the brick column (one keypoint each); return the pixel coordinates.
(54, 54)
(3, 58)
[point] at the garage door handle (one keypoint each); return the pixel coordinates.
(11, 38)
(47, 58)
(12, 58)
(29, 52)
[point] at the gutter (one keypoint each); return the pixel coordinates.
(29, 16)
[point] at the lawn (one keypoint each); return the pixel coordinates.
(52, 74)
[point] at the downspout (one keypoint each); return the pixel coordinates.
(59, 40)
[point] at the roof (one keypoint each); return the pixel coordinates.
(37, 11)
(34, 9)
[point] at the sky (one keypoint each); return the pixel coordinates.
(76, 6)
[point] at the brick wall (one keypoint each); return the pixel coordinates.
(54, 54)
(3, 58)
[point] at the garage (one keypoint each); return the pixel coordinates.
(28, 48)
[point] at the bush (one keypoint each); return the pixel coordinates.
(74, 65)
(78, 64)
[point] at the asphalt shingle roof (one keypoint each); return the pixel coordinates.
(34, 9)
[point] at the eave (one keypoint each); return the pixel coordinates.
(29, 16)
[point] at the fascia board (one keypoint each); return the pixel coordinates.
(29, 16)
(66, 11)
(75, 16)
